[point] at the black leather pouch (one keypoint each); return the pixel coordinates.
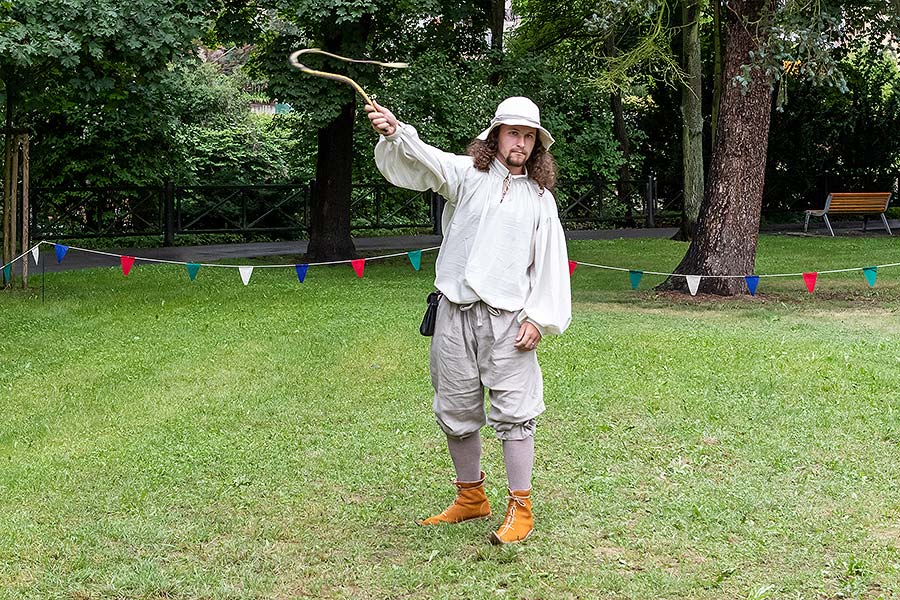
(427, 326)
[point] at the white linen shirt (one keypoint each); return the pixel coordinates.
(505, 249)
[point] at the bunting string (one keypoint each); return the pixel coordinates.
(663, 274)
(19, 257)
(183, 263)
(415, 258)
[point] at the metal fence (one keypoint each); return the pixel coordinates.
(170, 210)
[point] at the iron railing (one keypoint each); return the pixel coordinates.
(170, 210)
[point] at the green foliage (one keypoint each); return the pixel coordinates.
(94, 80)
(192, 127)
(825, 140)
(450, 103)
(90, 46)
(251, 150)
(615, 44)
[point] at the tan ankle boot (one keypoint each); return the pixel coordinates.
(470, 503)
(519, 522)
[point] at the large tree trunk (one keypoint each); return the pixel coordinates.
(692, 118)
(496, 19)
(329, 220)
(728, 227)
(717, 67)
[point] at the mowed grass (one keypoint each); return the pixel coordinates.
(168, 439)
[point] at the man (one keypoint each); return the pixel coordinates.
(503, 271)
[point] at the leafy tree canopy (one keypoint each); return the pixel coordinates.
(90, 46)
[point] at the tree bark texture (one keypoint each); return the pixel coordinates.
(329, 220)
(717, 67)
(728, 226)
(692, 116)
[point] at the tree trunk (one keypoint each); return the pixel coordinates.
(623, 186)
(692, 118)
(728, 226)
(717, 67)
(329, 219)
(8, 225)
(496, 19)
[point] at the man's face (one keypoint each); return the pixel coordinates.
(514, 146)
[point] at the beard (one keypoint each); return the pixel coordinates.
(516, 159)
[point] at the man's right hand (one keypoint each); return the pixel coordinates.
(382, 119)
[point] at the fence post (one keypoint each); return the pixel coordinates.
(26, 209)
(437, 207)
(169, 214)
(310, 199)
(379, 200)
(650, 203)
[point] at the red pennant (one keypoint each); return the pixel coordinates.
(810, 279)
(359, 265)
(127, 262)
(572, 266)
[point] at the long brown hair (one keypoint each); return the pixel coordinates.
(540, 165)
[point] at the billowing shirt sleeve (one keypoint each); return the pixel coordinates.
(408, 162)
(549, 302)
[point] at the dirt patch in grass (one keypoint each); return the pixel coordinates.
(889, 534)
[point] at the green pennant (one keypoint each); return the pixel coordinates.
(192, 270)
(871, 273)
(635, 277)
(415, 259)
(7, 273)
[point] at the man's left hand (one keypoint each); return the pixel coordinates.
(529, 337)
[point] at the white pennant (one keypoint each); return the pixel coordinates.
(35, 252)
(246, 272)
(693, 283)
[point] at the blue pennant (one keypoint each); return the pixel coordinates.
(61, 252)
(752, 282)
(301, 272)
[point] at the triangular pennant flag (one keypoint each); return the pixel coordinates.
(246, 272)
(61, 252)
(7, 273)
(193, 269)
(810, 279)
(871, 273)
(359, 265)
(635, 277)
(572, 266)
(752, 282)
(127, 263)
(693, 282)
(301, 272)
(415, 259)
(36, 252)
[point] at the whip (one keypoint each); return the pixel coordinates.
(342, 78)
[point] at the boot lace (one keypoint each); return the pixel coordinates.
(511, 513)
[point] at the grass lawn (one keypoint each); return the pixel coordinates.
(168, 439)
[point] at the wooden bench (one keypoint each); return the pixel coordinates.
(865, 204)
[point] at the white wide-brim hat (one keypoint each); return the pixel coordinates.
(518, 110)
